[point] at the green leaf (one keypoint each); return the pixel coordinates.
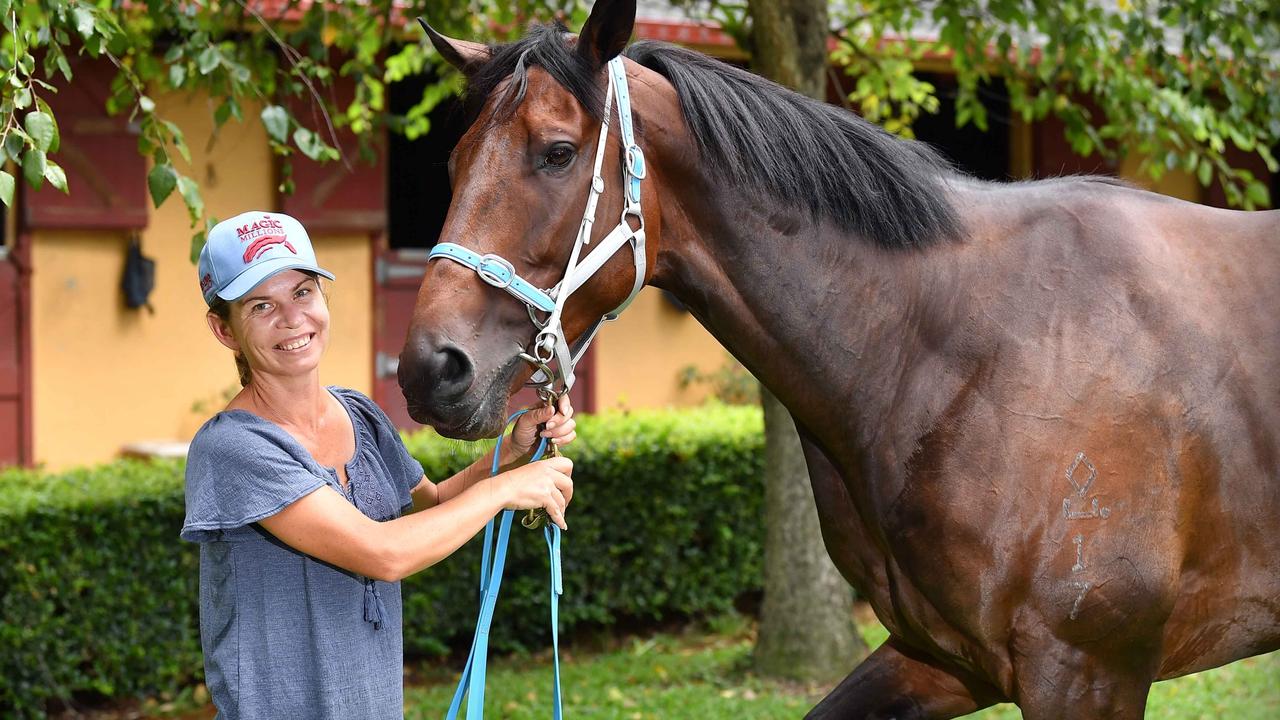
(33, 162)
(1205, 173)
(190, 192)
(179, 140)
(305, 140)
(40, 127)
(1268, 158)
(56, 141)
(147, 104)
(13, 146)
(197, 244)
(276, 119)
(177, 74)
(56, 177)
(222, 113)
(64, 67)
(208, 60)
(161, 181)
(1257, 193)
(198, 240)
(6, 188)
(84, 21)
(22, 99)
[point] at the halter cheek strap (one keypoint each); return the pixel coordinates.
(498, 273)
(550, 344)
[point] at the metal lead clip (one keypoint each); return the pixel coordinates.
(536, 518)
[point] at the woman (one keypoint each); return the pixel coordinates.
(307, 507)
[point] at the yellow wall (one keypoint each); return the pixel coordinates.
(639, 357)
(105, 375)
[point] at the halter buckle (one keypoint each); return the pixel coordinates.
(635, 162)
(492, 277)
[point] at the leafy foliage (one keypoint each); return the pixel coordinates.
(100, 596)
(1179, 81)
(282, 55)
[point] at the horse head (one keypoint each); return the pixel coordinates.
(522, 175)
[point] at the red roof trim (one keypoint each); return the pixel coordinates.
(684, 32)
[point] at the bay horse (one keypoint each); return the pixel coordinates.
(1041, 419)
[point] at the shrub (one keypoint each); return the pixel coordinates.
(666, 519)
(99, 596)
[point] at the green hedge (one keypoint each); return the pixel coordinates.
(99, 597)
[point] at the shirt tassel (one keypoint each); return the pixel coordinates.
(374, 611)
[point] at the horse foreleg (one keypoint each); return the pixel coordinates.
(899, 683)
(1064, 683)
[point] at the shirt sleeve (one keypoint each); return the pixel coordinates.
(240, 473)
(406, 471)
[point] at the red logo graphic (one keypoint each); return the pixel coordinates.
(206, 282)
(259, 246)
(261, 235)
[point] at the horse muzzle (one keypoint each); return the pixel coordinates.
(438, 381)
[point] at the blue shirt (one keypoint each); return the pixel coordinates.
(286, 635)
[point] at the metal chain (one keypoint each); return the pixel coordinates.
(535, 518)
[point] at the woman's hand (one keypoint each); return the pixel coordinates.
(542, 484)
(560, 428)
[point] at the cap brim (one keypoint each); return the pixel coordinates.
(253, 276)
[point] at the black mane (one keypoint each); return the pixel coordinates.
(756, 134)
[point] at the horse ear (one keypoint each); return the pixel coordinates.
(607, 30)
(461, 54)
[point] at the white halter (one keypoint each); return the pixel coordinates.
(550, 343)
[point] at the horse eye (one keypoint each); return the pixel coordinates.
(559, 155)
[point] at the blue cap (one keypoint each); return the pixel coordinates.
(249, 248)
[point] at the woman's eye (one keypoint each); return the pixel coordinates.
(559, 156)
(261, 307)
(303, 292)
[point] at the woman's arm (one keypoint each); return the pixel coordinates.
(327, 527)
(427, 494)
(560, 429)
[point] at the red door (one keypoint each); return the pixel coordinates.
(397, 275)
(15, 394)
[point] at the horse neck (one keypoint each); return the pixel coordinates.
(813, 313)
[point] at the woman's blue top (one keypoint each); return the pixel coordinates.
(286, 635)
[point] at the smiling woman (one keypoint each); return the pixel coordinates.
(306, 504)
(221, 309)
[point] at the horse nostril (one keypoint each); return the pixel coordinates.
(452, 370)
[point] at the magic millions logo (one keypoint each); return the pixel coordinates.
(261, 235)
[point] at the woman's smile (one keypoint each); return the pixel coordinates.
(295, 344)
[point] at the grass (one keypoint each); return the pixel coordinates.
(696, 673)
(704, 673)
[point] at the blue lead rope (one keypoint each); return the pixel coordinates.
(471, 685)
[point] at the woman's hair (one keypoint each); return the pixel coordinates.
(222, 309)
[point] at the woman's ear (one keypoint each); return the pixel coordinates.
(222, 330)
